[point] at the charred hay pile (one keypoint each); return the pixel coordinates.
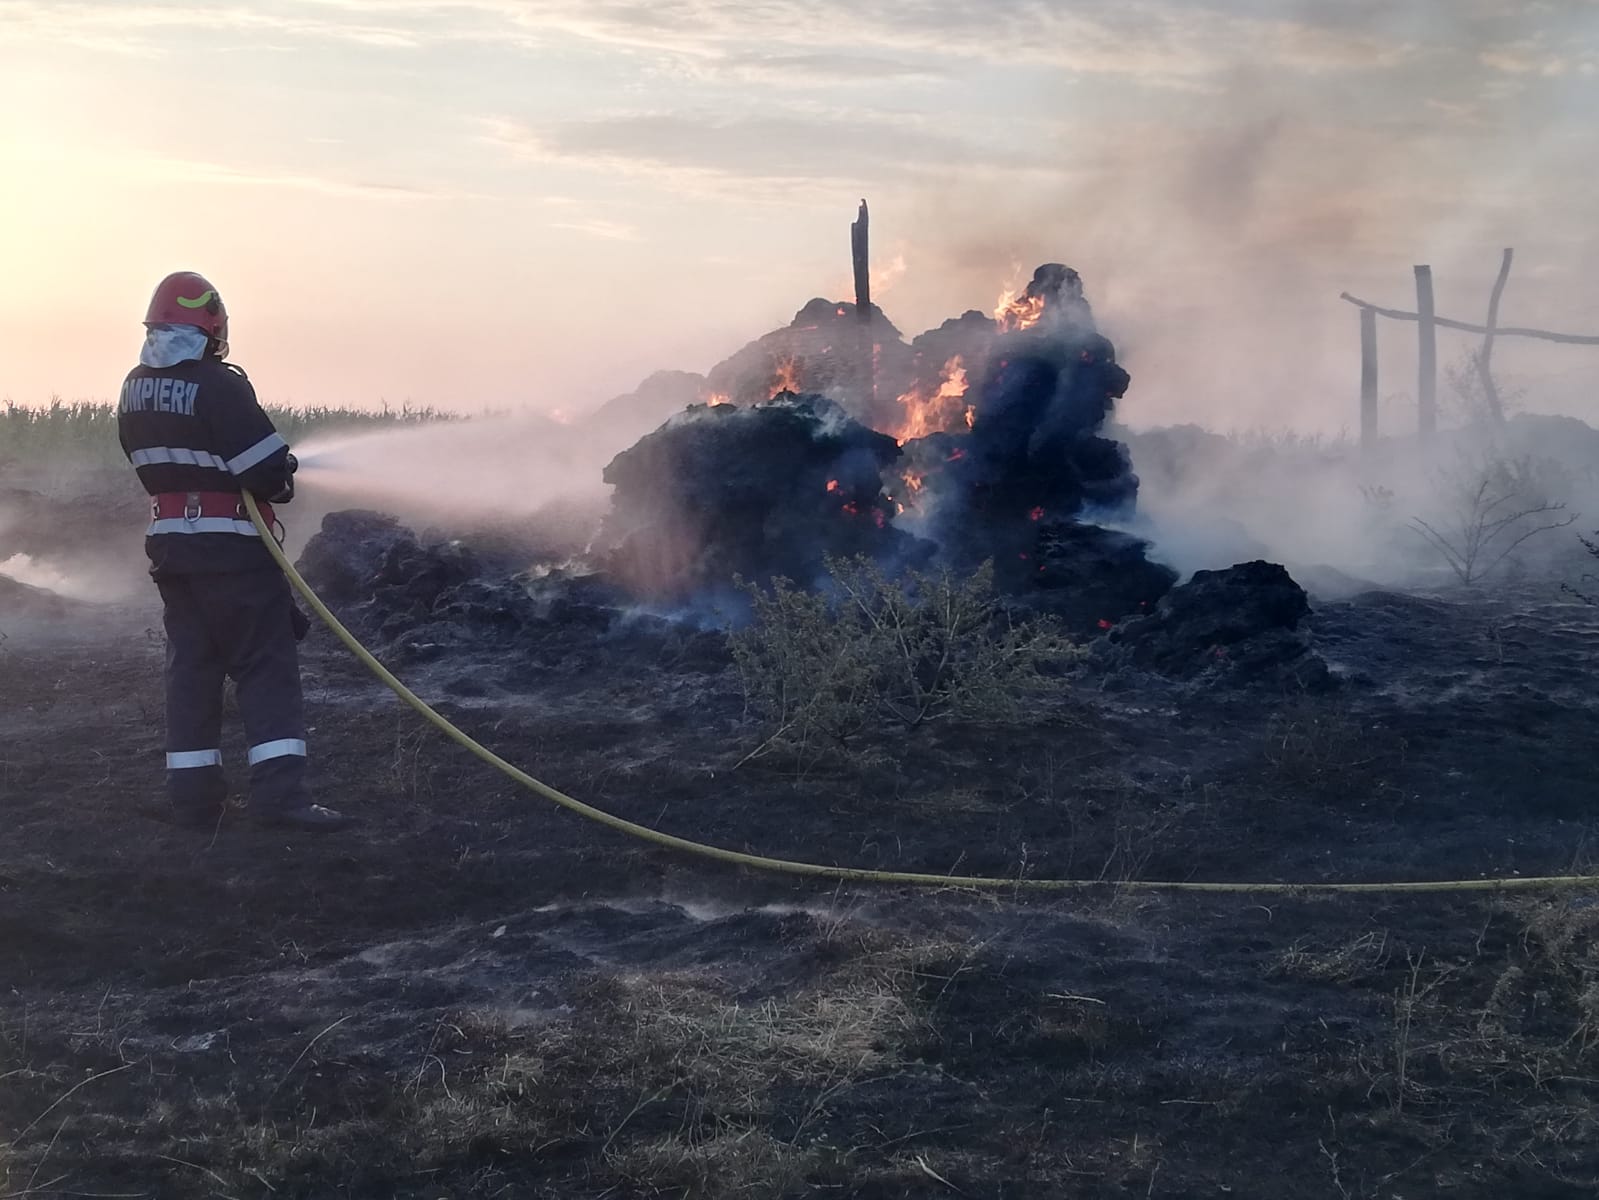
(722, 492)
(981, 440)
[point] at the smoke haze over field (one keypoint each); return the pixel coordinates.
(532, 205)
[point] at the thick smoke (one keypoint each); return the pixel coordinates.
(1219, 226)
(1342, 519)
(72, 532)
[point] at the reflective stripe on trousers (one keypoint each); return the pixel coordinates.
(282, 748)
(185, 760)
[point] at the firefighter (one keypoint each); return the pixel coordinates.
(192, 428)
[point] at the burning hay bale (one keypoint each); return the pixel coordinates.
(1051, 381)
(934, 398)
(762, 491)
(1021, 482)
(991, 444)
(824, 350)
(1238, 625)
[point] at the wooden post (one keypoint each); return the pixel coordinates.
(1368, 379)
(1485, 373)
(1427, 375)
(863, 301)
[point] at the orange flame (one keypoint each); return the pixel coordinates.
(717, 399)
(913, 480)
(939, 412)
(832, 485)
(787, 379)
(1022, 312)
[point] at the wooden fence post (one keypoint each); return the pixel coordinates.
(1427, 381)
(1368, 379)
(1490, 390)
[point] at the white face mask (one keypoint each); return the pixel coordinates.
(168, 345)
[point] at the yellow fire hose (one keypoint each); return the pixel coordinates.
(850, 874)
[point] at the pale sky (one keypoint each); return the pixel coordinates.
(534, 203)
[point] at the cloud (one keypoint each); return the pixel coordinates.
(1152, 40)
(168, 169)
(614, 231)
(1526, 59)
(827, 68)
(803, 42)
(772, 150)
(144, 29)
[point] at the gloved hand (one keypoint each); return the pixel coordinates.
(286, 493)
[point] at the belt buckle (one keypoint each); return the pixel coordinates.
(192, 508)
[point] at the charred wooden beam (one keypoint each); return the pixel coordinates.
(1396, 314)
(861, 259)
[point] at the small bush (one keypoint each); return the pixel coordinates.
(819, 668)
(1587, 597)
(1488, 505)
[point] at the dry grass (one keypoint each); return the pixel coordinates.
(663, 1083)
(1515, 1017)
(819, 669)
(1321, 749)
(1362, 958)
(730, 1161)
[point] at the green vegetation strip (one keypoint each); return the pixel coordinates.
(84, 433)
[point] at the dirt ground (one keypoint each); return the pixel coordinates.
(477, 994)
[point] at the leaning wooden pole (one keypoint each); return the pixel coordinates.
(1490, 390)
(1427, 362)
(1503, 331)
(1368, 379)
(860, 256)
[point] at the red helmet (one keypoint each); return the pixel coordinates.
(184, 298)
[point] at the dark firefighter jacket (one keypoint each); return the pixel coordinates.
(197, 427)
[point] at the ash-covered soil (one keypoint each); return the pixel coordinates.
(477, 994)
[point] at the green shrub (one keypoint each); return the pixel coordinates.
(820, 668)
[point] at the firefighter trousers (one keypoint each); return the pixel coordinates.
(238, 625)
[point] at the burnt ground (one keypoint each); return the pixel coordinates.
(477, 994)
